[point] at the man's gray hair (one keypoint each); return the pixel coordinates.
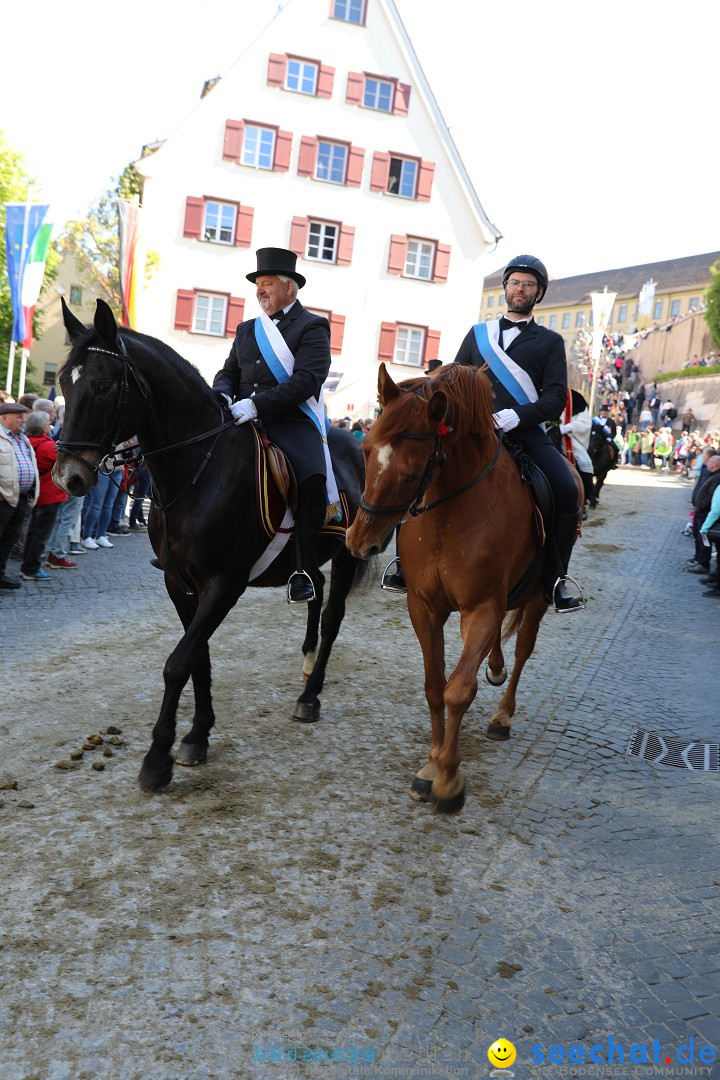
(44, 405)
(282, 277)
(35, 422)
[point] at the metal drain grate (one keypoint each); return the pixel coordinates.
(667, 750)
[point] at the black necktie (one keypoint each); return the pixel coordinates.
(508, 324)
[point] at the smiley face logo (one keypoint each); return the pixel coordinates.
(501, 1054)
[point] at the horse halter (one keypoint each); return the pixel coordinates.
(108, 443)
(438, 454)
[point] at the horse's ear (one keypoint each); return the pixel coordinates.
(438, 406)
(105, 325)
(72, 324)
(387, 390)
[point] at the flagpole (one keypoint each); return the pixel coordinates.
(24, 353)
(26, 223)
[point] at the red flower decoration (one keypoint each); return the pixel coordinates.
(443, 428)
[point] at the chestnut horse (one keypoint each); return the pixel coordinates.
(468, 539)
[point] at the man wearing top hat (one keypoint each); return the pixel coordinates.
(19, 482)
(274, 373)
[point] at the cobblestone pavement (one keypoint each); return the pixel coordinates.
(290, 894)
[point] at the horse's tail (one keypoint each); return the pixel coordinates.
(512, 622)
(364, 569)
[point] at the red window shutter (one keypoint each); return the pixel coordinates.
(277, 66)
(299, 231)
(235, 313)
(346, 239)
(432, 345)
(337, 331)
(184, 308)
(194, 214)
(233, 140)
(356, 158)
(283, 146)
(398, 254)
(307, 159)
(243, 226)
(380, 172)
(326, 78)
(401, 103)
(425, 179)
(388, 337)
(355, 88)
(442, 262)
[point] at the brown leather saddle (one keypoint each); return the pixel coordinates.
(276, 490)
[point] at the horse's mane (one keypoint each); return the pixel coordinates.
(140, 346)
(469, 397)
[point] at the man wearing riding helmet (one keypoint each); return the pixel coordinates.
(528, 371)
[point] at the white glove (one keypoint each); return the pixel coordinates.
(507, 419)
(564, 428)
(243, 410)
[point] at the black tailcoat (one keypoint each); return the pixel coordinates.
(541, 353)
(246, 374)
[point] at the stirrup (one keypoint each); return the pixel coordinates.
(577, 592)
(388, 583)
(293, 578)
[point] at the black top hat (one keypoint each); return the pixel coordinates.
(276, 261)
(579, 404)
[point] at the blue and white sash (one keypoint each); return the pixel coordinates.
(281, 362)
(516, 381)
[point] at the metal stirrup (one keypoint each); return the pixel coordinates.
(577, 591)
(304, 574)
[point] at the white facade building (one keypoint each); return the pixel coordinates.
(325, 138)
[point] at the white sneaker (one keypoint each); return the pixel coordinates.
(89, 543)
(102, 541)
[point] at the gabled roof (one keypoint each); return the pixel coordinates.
(441, 127)
(693, 271)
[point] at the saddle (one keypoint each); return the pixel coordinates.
(276, 491)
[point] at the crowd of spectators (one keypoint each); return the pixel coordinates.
(42, 526)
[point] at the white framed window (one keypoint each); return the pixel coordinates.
(622, 313)
(580, 319)
(219, 226)
(402, 179)
(419, 259)
(331, 162)
(675, 308)
(76, 294)
(553, 322)
(566, 321)
(657, 311)
(491, 301)
(694, 303)
(258, 147)
(409, 346)
(322, 241)
(540, 320)
(378, 94)
(210, 314)
(351, 11)
(301, 76)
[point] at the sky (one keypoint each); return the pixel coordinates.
(589, 130)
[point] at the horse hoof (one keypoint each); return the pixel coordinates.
(190, 755)
(499, 732)
(496, 680)
(306, 713)
(451, 806)
(155, 778)
(421, 790)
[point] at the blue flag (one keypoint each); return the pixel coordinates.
(22, 223)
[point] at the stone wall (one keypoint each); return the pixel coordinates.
(669, 348)
(701, 393)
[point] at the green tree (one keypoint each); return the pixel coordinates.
(712, 299)
(94, 242)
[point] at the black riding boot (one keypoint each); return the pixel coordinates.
(309, 518)
(395, 581)
(563, 539)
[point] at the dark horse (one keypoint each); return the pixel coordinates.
(603, 457)
(203, 524)
(468, 542)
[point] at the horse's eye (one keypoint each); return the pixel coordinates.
(104, 387)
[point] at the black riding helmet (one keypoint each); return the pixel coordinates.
(529, 265)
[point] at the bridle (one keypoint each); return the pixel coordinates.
(112, 458)
(437, 455)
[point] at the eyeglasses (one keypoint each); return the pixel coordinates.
(524, 285)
